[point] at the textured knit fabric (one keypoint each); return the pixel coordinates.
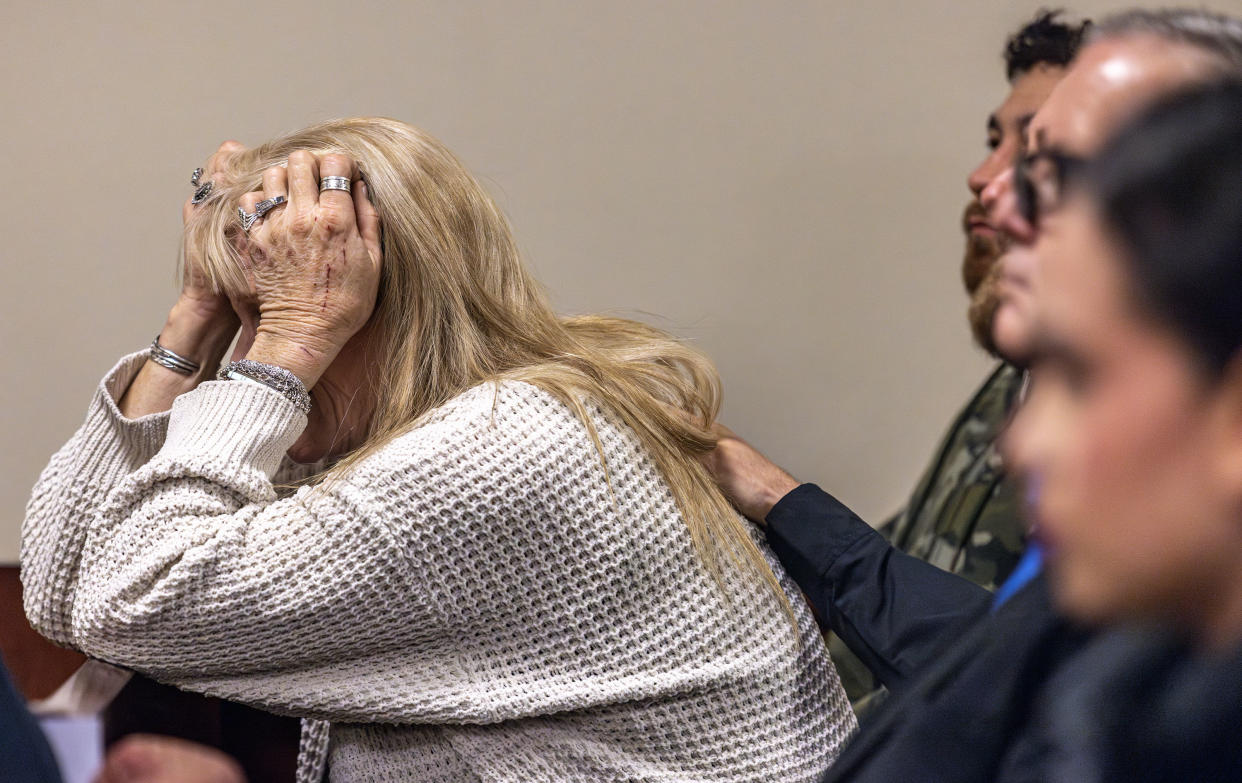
(470, 603)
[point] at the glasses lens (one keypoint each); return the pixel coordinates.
(1024, 189)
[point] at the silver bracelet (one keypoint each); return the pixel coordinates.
(271, 376)
(166, 358)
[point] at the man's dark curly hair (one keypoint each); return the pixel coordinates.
(1046, 39)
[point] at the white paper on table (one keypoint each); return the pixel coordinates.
(87, 691)
(77, 744)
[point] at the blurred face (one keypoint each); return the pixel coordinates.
(1108, 82)
(1006, 128)
(1134, 453)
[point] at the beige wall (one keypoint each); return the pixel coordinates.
(780, 181)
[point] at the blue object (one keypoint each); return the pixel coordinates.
(1029, 566)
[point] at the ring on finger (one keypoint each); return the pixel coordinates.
(247, 218)
(201, 194)
(268, 204)
(334, 183)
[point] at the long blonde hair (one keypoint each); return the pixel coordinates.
(457, 308)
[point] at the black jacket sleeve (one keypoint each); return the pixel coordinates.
(894, 611)
(25, 756)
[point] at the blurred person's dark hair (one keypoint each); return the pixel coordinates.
(1045, 40)
(1170, 187)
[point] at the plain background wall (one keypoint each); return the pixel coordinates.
(779, 181)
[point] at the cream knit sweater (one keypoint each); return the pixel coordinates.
(468, 604)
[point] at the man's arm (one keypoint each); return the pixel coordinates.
(895, 612)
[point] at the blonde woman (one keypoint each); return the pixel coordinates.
(481, 549)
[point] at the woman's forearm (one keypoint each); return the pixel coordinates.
(104, 450)
(188, 333)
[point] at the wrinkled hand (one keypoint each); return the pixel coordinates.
(314, 264)
(750, 480)
(197, 298)
(147, 758)
(199, 326)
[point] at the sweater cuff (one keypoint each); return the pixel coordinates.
(809, 529)
(144, 433)
(242, 424)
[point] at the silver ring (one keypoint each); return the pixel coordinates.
(201, 194)
(247, 218)
(194, 177)
(268, 204)
(334, 183)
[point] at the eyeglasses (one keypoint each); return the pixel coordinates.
(1039, 180)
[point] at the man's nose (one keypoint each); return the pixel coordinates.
(1000, 199)
(985, 172)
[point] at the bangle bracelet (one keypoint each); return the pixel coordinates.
(271, 376)
(166, 358)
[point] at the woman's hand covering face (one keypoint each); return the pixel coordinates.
(313, 263)
(196, 292)
(202, 322)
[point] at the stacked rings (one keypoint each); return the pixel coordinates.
(334, 183)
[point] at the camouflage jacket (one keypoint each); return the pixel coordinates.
(964, 515)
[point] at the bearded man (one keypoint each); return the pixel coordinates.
(964, 515)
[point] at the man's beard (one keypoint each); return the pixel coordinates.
(982, 310)
(980, 273)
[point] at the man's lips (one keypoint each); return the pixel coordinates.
(981, 227)
(975, 220)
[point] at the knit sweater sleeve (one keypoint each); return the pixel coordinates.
(447, 577)
(193, 568)
(72, 487)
